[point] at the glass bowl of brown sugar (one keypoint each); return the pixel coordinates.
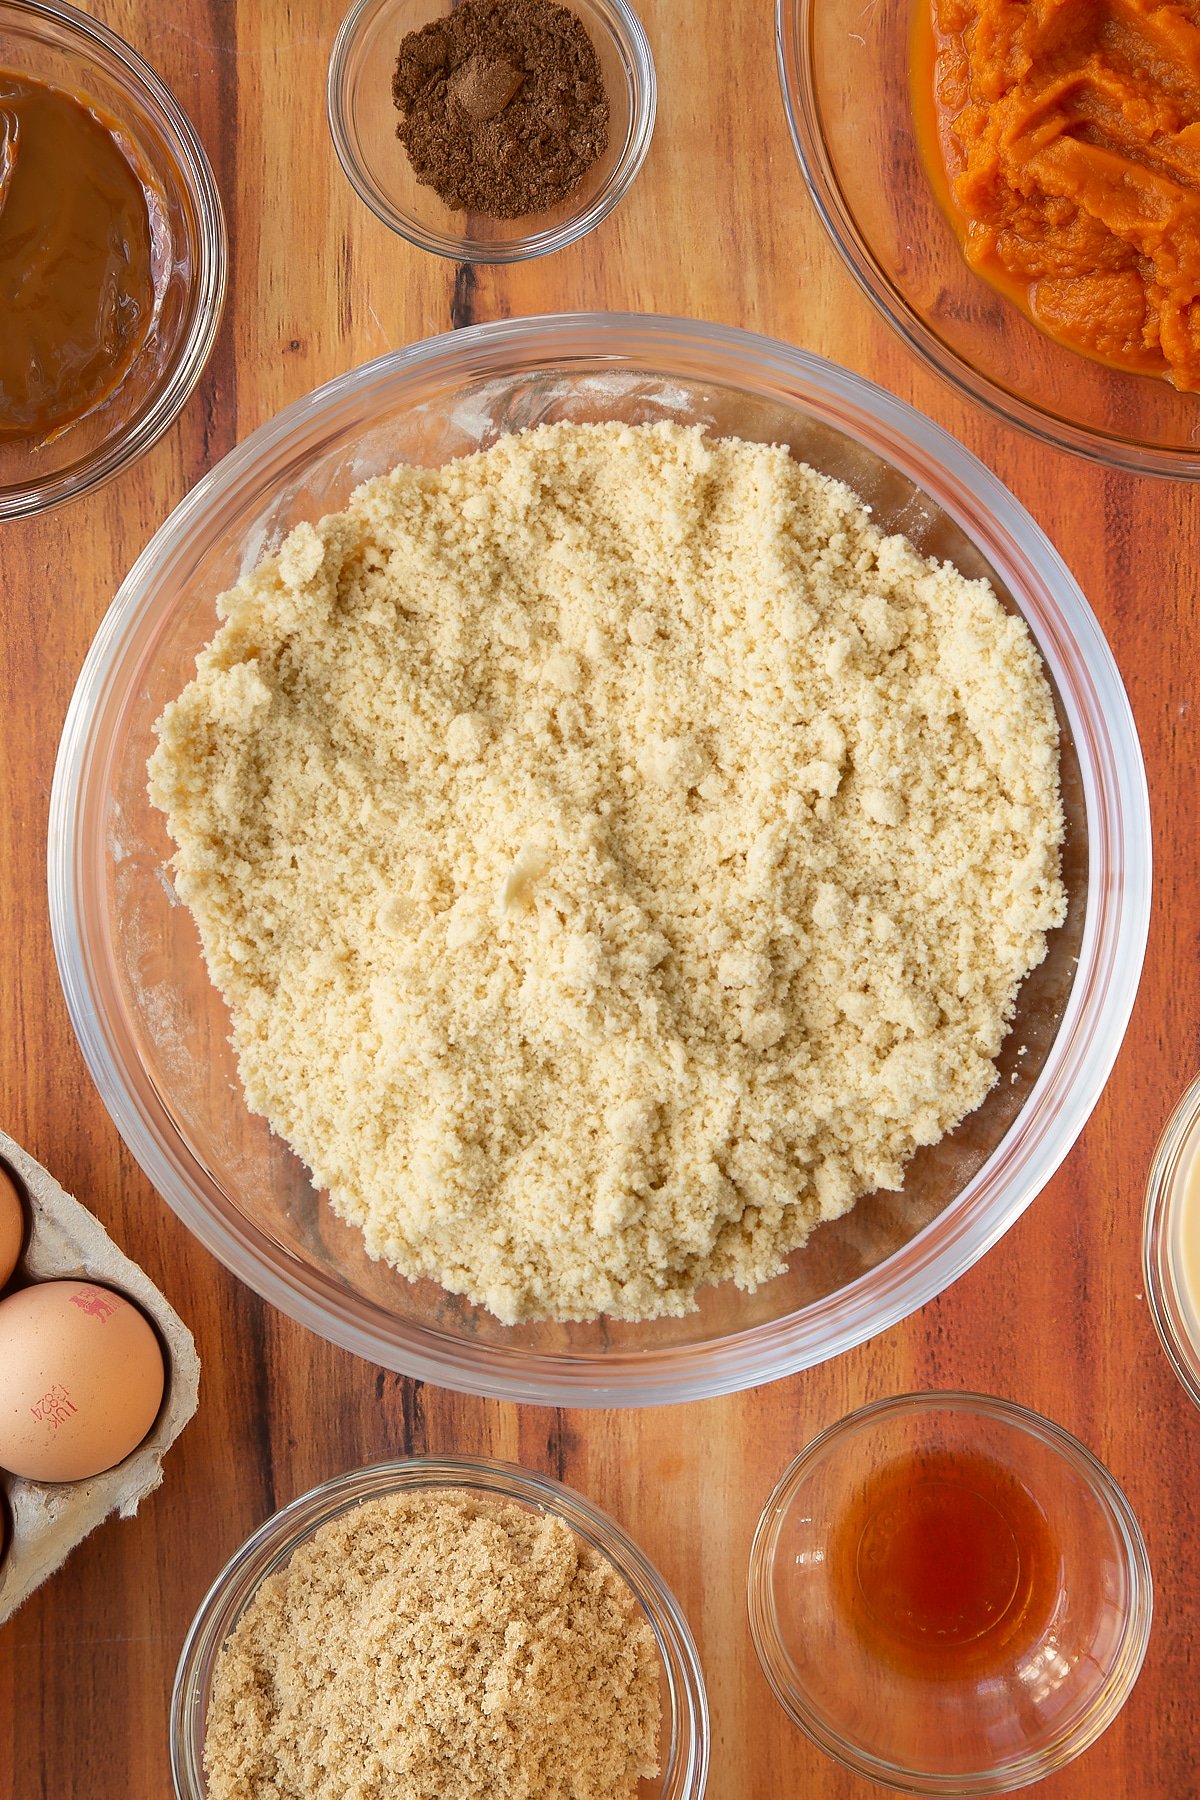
(384, 1503)
(523, 123)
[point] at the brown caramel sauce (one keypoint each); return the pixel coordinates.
(945, 1565)
(77, 257)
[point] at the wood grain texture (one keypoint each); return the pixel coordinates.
(717, 226)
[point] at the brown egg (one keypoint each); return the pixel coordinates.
(81, 1380)
(12, 1225)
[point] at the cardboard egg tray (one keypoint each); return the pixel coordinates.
(49, 1519)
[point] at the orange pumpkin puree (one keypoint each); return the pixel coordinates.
(1068, 136)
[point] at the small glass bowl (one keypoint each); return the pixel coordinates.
(845, 68)
(985, 1730)
(684, 1745)
(53, 43)
(1173, 1306)
(363, 120)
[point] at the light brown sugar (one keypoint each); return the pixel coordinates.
(436, 1646)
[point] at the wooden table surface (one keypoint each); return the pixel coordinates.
(718, 226)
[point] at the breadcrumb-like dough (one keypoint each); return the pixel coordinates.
(617, 856)
(436, 1647)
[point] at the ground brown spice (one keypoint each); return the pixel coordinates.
(504, 105)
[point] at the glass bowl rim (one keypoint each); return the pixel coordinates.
(1109, 959)
(1110, 450)
(1177, 1147)
(626, 28)
(208, 288)
(270, 1545)
(1017, 1771)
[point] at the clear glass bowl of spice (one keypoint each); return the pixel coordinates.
(949, 1594)
(87, 383)
(496, 131)
(478, 1537)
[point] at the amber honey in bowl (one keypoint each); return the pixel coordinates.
(943, 1560)
(949, 1594)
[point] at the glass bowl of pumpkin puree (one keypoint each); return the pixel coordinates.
(112, 255)
(1018, 191)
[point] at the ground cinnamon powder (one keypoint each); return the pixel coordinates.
(504, 107)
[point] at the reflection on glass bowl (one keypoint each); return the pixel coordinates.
(1171, 1240)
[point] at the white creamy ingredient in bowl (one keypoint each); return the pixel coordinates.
(616, 855)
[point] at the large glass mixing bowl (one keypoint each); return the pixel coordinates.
(155, 1033)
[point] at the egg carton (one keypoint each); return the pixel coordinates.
(48, 1519)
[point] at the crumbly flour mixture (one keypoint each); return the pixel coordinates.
(436, 1647)
(617, 856)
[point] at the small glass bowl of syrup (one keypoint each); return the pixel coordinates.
(949, 1594)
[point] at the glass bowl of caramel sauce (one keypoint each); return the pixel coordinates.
(949, 1594)
(112, 255)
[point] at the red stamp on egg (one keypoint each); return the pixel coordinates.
(54, 1408)
(95, 1302)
